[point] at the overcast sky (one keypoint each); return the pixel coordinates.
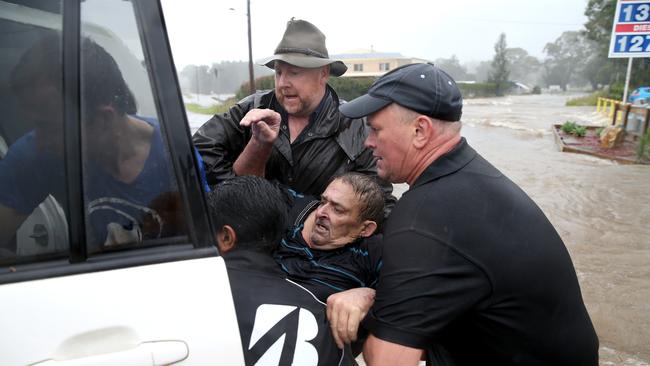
(207, 31)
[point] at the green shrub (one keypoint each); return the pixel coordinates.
(261, 83)
(536, 90)
(213, 109)
(346, 88)
(643, 150)
(573, 128)
(478, 90)
(350, 88)
(599, 131)
(588, 100)
(568, 127)
(616, 91)
(580, 131)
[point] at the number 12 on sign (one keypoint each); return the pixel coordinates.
(632, 43)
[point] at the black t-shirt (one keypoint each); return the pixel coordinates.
(325, 272)
(280, 322)
(473, 265)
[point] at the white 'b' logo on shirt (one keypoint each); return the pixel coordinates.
(282, 318)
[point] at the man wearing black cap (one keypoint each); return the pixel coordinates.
(295, 133)
(473, 273)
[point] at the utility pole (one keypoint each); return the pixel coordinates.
(198, 90)
(627, 79)
(251, 76)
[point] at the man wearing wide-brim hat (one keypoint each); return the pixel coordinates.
(293, 134)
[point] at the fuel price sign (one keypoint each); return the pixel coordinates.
(631, 29)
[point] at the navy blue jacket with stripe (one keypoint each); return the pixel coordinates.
(325, 272)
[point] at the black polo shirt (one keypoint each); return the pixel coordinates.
(280, 322)
(473, 265)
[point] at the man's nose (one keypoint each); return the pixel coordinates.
(281, 80)
(321, 211)
(369, 142)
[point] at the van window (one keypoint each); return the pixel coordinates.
(130, 191)
(32, 179)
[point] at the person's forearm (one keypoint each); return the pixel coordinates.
(377, 352)
(10, 220)
(346, 310)
(252, 161)
(219, 140)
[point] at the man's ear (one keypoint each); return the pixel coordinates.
(424, 131)
(105, 114)
(369, 228)
(226, 239)
(325, 73)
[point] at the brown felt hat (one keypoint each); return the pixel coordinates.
(303, 45)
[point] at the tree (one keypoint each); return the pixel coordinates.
(198, 79)
(452, 67)
(223, 78)
(482, 71)
(567, 57)
(596, 69)
(500, 67)
(523, 67)
(600, 17)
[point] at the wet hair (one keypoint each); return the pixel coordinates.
(253, 207)
(101, 80)
(369, 193)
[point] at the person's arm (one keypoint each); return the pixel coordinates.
(10, 221)
(378, 352)
(220, 141)
(346, 310)
(265, 126)
(21, 190)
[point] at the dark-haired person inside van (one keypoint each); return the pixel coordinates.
(125, 165)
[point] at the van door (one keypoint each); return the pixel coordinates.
(106, 252)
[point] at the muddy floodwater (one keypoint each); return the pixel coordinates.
(601, 209)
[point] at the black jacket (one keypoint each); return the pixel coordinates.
(330, 144)
(273, 311)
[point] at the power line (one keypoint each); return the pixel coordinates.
(523, 22)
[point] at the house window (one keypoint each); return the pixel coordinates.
(384, 66)
(358, 67)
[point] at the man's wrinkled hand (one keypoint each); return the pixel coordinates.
(346, 310)
(264, 124)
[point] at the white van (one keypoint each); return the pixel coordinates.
(158, 300)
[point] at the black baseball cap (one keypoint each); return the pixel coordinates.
(421, 87)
